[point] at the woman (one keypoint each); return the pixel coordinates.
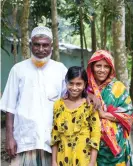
(116, 112)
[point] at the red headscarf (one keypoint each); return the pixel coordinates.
(97, 56)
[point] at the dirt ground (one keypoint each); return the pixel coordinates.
(4, 163)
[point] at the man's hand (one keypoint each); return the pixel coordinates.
(91, 98)
(11, 147)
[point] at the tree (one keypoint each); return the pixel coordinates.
(9, 25)
(24, 29)
(119, 42)
(39, 8)
(93, 34)
(14, 35)
(81, 32)
(55, 30)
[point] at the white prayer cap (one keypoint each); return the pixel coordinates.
(41, 30)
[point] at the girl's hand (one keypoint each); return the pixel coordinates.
(91, 164)
(54, 163)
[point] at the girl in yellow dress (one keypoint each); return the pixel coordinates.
(76, 126)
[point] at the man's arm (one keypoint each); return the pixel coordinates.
(8, 104)
(11, 146)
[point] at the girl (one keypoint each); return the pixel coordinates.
(76, 127)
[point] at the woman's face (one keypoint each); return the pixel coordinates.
(101, 71)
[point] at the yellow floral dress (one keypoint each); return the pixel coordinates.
(76, 132)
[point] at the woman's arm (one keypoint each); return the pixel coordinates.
(54, 155)
(107, 115)
(93, 157)
(97, 105)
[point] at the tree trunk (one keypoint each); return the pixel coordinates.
(85, 43)
(2, 6)
(105, 31)
(131, 86)
(93, 35)
(56, 55)
(14, 51)
(24, 30)
(81, 33)
(119, 43)
(101, 31)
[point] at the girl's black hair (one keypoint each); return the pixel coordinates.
(77, 71)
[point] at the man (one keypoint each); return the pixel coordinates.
(32, 87)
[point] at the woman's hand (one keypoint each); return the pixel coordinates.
(107, 115)
(91, 98)
(101, 113)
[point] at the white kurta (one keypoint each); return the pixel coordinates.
(30, 94)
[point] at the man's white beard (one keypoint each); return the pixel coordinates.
(45, 59)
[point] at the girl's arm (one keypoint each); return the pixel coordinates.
(95, 135)
(54, 155)
(93, 157)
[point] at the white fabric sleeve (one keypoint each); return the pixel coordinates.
(64, 71)
(9, 98)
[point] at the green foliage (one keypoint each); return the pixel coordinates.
(129, 34)
(129, 26)
(68, 11)
(71, 12)
(7, 29)
(40, 8)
